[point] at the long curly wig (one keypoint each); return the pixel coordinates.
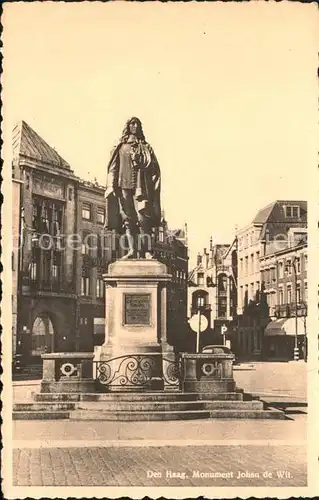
(126, 132)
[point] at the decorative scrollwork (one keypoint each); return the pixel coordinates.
(131, 370)
(171, 372)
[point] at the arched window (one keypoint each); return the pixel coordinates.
(200, 298)
(42, 335)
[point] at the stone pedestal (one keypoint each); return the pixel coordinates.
(67, 372)
(208, 373)
(136, 326)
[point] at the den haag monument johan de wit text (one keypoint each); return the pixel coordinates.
(136, 356)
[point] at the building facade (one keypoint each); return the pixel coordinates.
(213, 290)
(284, 275)
(47, 295)
(170, 248)
(17, 187)
(273, 228)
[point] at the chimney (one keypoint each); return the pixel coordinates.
(211, 243)
(199, 258)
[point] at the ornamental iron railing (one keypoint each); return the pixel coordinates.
(137, 370)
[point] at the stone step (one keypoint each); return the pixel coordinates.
(147, 396)
(150, 406)
(56, 396)
(129, 416)
(174, 415)
(44, 406)
(40, 415)
(233, 405)
(251, 414)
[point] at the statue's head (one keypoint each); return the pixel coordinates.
(133, 127)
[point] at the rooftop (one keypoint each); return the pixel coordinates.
(27, 143)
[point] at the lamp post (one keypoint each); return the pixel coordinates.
(296, 348)
(200, 304)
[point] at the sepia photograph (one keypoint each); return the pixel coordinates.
(160, 281)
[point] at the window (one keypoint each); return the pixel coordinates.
(56, 266)
(252, 266)
(288, 267)
(200, 278)
(100, 215)
(298, 266)
(222, 307)
(252, 291)
(222, 283)
(246, 265)
(305, 291)
(99, 288)
(33, 271)
(257, 261)
(12, 262)
(161, 235)
(305, 262)
(85, 283)
(281, 296)
(86, 243)
(298, 293)
(266, 275)
(293, 211)
(280, 270)
(86, 211)
(288, 294)
(246, 295)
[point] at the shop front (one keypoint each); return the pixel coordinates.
(280, 339)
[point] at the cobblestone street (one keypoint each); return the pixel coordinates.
(158, 466)
(202, 453)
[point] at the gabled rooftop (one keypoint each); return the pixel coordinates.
(270, 213)
(28, 144)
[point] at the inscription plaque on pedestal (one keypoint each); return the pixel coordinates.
(137, 309)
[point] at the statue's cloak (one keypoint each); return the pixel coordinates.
(147, 193)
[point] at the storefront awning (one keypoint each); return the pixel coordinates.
(286, 326)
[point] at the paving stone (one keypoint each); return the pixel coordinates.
(130, 466)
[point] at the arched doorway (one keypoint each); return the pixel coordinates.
(42, 336)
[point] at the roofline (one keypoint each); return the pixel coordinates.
(285, 250)
(231, 246)
(47, 168)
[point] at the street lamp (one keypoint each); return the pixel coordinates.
(200, 304)
(296, 348)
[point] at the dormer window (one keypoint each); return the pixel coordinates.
(292, 211)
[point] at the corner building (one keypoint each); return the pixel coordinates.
(47, 292)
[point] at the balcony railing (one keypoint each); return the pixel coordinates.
(222, 269)
(29, 285)
(291, 309)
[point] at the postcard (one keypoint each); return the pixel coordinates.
(160, 249)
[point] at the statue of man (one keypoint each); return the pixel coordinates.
(133, 190)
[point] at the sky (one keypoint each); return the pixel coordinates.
(227, 94)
